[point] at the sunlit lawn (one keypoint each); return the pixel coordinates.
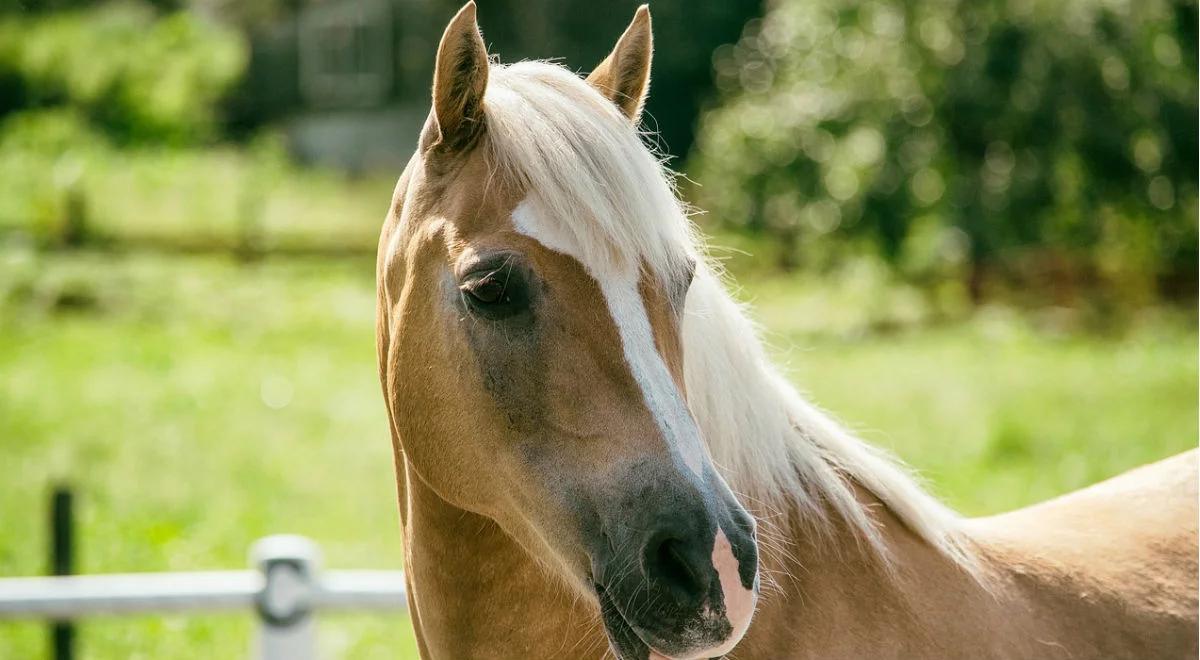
(197, 404)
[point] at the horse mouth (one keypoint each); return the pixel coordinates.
(625, 641)
(623, 636)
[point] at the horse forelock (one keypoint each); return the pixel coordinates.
(585, 166)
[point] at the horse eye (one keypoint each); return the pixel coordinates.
(488, 291)
(495, 293)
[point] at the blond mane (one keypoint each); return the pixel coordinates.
(583, 164)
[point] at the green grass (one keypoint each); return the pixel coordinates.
(997, 420)
(998, 410)
(197, 404)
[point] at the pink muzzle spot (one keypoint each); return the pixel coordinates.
(739, 602)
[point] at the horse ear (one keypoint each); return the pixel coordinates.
(624, 76)
(459, 80)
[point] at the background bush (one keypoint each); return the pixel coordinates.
(137, 74)
(980, 144)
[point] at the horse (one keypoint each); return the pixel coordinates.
(595, 456)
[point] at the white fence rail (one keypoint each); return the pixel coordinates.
(285, 587)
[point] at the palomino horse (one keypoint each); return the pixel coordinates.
(594, 454)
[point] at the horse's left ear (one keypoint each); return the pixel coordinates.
(624, 76)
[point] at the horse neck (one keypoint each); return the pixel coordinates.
(475, 593)
(828, 594)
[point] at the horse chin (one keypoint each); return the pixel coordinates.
(626, 642)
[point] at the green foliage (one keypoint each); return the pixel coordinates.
(1043, 141)
(139, 75)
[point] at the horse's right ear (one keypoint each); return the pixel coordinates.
(459, 81)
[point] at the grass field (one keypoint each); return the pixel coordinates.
(197, 404)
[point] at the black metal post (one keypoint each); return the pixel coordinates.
(62, 562)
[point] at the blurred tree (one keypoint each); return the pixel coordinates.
(47, 6)
(1044, 139)
(138, 74)
(36, 6)
(578, 33)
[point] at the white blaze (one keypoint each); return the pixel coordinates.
(658, 387)
(662, 397)
(628, 311)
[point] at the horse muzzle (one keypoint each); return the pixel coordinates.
(686, 585)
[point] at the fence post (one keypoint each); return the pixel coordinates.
(287, 629)
(62, 562)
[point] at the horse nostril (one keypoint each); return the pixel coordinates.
(686, 574)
